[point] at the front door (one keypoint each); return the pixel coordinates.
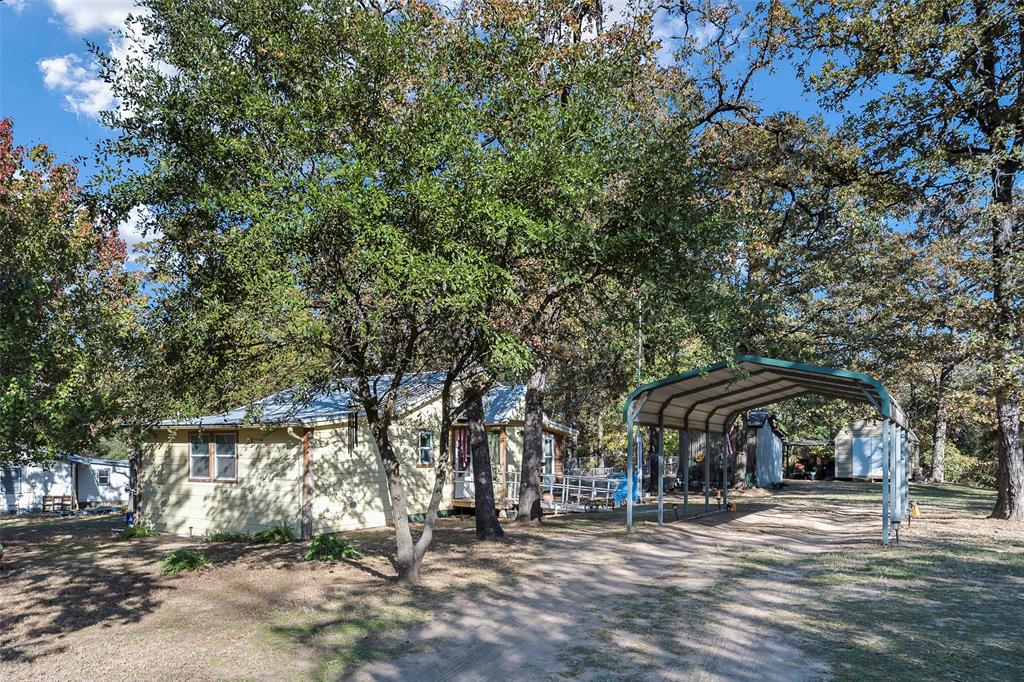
(463, 464)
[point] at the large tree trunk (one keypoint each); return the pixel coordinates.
(487, 526)
(1010, 499)
(407, 563)
(533, 450)
(440, 474)
(600, 441)
(941, 419)
(135, 476)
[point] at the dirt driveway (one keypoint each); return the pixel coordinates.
(764, 593)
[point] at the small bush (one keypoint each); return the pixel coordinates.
(227, 536)
(325, 547)
(137, 531)
(280, 534)
(183, 560)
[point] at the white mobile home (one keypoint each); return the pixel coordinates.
(100, 482)
(80, 481)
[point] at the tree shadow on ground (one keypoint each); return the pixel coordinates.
(58, 578)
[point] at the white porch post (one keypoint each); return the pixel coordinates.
(886, 447)
(661, 470)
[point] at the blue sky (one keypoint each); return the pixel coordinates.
(49, 87)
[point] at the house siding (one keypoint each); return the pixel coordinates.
(267, 490)
(349, 486)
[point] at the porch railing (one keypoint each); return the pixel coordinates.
(568, 492)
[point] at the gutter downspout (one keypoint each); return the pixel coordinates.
(306, 504)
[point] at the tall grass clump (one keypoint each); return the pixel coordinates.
(326, 547)
(280, 534)
(136, 531)
(183, 560)
(227, 536)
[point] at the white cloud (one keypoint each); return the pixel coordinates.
(83, 16)
(84, 93)
(16, 5)
(133, 229)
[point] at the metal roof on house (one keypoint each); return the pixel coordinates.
(503, 404)
(291, 407)
(80, 459)
(709, 398)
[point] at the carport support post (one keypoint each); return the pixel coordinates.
(726, 449)
(707, 470)
(661, 470)
(630, 450)
(684, 456)
(897, 478)
(886, 446)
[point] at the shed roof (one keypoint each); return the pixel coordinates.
(709, 398)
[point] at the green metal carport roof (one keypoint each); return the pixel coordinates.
(709, 398)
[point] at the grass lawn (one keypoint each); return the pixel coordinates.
(793, 586)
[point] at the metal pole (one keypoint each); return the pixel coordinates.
(726, 451)
(661, 470)
(885, 480)
(686, 474)
(897, 476)
(629, 474)
(707, 470)
(907, 473)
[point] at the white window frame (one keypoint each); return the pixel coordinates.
(100, 473)
(213, 456)
(428, 448)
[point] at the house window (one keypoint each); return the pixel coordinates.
(213, 453)
(426, 448)
(549, 453)
(103, 476)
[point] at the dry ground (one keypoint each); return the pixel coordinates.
(793, 586)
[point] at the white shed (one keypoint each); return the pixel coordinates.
(768, 447)
(859, 449)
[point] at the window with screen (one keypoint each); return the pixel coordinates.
(426, 448)
(213, 457)
(103, 476)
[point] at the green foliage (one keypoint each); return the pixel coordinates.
(137, 530)
(227, 536)
(326, 547)
(66, 304)
(280, 534)
(183, 560)
(966, 469)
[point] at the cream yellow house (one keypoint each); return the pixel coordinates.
(313, 464)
